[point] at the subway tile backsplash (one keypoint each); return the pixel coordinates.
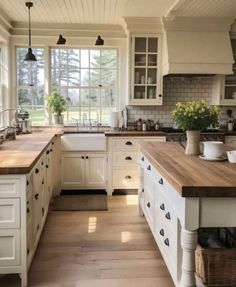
(177, 89)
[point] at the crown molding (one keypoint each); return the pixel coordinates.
(143, 24)
(71, 30)
(200, 24)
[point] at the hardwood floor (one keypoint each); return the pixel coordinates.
(113, 248)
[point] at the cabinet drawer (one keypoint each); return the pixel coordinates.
(9, 247)
(125, 158)
(125, 144)
(125, 178)
(11, 187)
(149, 206)
(10, 213)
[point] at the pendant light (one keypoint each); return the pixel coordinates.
(30, 57)
(61, 40)
(99, 41)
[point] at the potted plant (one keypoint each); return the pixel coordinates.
(58, 104)
(194, 117)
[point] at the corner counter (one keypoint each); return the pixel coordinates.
(178, 194)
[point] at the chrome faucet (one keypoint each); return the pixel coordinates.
(10, 109)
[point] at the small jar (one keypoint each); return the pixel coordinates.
(148, 125)
(144, 127)
(230, 127)
(139, 125)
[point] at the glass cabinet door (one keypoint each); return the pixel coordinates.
(145, 69)
(230, 80)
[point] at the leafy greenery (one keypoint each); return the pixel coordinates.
(195, 115)
(57, 103)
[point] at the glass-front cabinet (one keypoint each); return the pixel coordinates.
(146, 80)
(224, 87)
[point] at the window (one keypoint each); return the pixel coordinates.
(30, 85)
(88, 77)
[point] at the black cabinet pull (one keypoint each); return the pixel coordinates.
(162, 206)
(128, 158)
(128, 177)
(42, 163)
(161, 181)
(52, 143)
(48, 151)
(36, 170)
(27, 250)
(27, 182)
(162, 233)
(42, 211)
(82, 157)
(142, 159)
(167, 215)
(143, 190)
(36, 196)
(149, 204)
(166, 241)
(128, 143)
(42, 182)
(47, 166)
(51, 150)
(86, 157)
(149, 167)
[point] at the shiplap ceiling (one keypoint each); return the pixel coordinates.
(110, 11)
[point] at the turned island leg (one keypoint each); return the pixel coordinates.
(188, 244)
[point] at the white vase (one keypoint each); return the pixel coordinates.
(193, 140)
(59, 119)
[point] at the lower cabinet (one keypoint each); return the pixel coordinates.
(83, 170)
(24, 203)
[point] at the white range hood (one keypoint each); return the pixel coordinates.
(197, 46)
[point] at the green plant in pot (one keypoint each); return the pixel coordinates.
(58, 104)
(194, 117)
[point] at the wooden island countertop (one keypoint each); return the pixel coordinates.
(19, 156)
(190, 175)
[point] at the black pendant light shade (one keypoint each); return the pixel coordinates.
(61, 40)
(29, 56)
(99, 41)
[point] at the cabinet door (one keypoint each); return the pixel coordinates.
(72, 170)
(96, 170)
(146, 79)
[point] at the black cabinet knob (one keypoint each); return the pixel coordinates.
(166, 241)
(51, 150)
(167, 215)
(42, 163)
(128, 158)
(162, 206)
(128, 143)
(82, 157)
(86, 157)
(42, 182)
(162, 233)
(149, 204)
(161, 181)
(47, 166)
(36, 170)
(142, 159)
(128, 177)
(160, 96)
(28, 210)
(52, 143)
(143, 190)
(48, 151)
(149, 167)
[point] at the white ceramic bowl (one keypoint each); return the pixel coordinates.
(231, 156)
(213, 149)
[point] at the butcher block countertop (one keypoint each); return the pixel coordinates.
(20, 155)
(189, 175)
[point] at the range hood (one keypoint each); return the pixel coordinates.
(197, 46)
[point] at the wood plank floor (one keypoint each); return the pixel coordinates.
(113, 248)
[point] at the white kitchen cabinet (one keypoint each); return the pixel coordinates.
(23, 208)
(145, 63)
(123, 161)
(83, 170)
(224, 87)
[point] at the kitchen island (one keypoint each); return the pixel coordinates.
(178, 194)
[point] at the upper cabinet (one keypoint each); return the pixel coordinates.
(145, 70)
(224, 87)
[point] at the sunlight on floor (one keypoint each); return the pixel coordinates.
(92, 224)
(131, 200)
(125, 236)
